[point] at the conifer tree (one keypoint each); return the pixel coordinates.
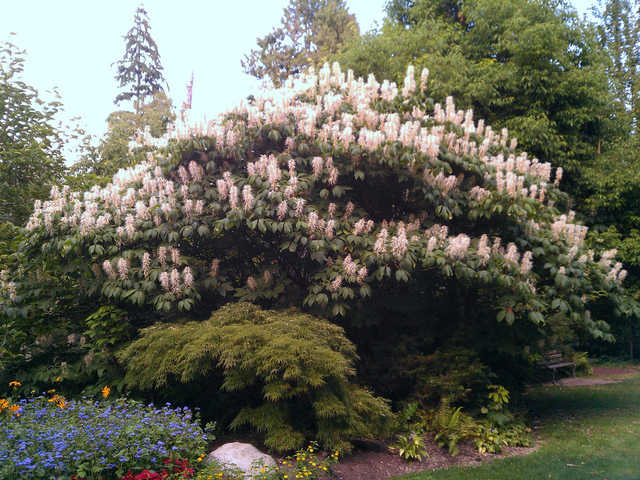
(311, 30)
(139, 71)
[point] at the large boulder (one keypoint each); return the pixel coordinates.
(241, 455)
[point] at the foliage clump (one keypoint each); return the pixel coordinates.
(287, 364)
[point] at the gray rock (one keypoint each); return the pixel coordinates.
(240, 455)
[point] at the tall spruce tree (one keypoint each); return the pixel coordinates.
(139, 71)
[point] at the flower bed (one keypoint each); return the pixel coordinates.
(54, 438)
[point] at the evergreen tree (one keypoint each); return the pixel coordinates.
(139, 71)
(311, 30)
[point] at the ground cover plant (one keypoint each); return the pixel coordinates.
(583, 432)
(55, 438)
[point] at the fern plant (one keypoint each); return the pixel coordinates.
(450, 426)
(297, 365)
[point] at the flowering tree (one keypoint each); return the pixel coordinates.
(332, 194)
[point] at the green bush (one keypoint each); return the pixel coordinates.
(450, 373)
(289, 370)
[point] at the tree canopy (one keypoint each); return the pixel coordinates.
(30, 143)
(530, 66)
(311, 31)
(619, 29)
(113, 152)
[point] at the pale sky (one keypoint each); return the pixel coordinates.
(71, 45)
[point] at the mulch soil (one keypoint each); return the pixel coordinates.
(378, 462)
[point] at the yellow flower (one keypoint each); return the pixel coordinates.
(105, 391)
(15, 384)
(3, 404)
(51, 391)
(58, 379)
(14, 408)
(62, 403)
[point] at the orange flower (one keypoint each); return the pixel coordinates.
(14, 409)
(105, 391)
(15, 384)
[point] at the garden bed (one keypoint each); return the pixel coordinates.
(374, 461)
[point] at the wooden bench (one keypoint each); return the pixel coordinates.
(554, 360)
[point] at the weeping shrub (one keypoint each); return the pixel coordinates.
(293, 370)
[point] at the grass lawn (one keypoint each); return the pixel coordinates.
(585, 432)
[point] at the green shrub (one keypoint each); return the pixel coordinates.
(583, 366)
(289, 370)
(450, 373)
